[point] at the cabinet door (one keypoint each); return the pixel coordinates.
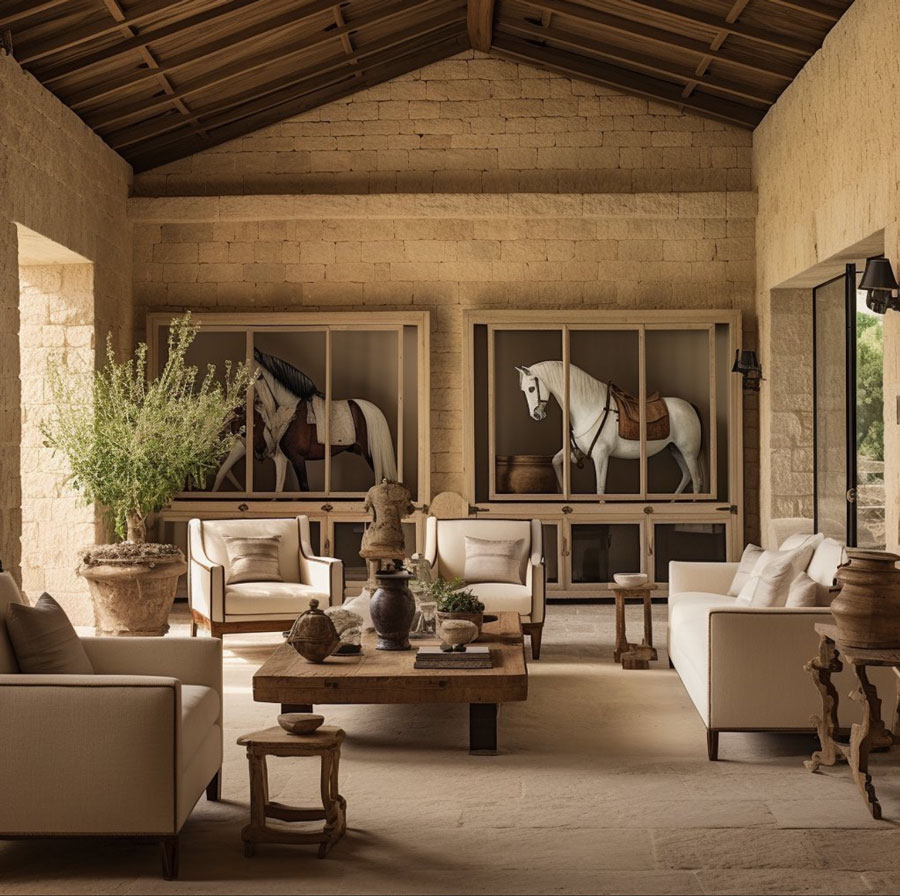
(700, 540)
(598, 549)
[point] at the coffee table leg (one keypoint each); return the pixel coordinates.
(483, 728)
(296, 707)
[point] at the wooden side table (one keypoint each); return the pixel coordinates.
(640, 654)
(871, 733)
(326, 743)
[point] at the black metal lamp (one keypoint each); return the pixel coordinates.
(880, 284)
(747, 365)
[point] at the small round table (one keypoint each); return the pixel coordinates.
(634, 656)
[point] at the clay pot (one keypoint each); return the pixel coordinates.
(133, 599)
(393, 608)
(313, 634)
(526, 474)
(476, 618)
(867, 608)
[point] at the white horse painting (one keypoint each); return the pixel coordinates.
(587, 401)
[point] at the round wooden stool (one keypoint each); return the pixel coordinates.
(326, 742)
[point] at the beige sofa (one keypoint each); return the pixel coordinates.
(127, 751)
(743, 666)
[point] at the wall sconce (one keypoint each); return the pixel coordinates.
(747, 365)
(880, 283)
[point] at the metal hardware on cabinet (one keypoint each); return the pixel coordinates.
(567, 509)
(851, 495)
(327, 547)
(474, 508)
(327, 508)
(648, 510)
(732, 508)
(243, 507)
(565, 547)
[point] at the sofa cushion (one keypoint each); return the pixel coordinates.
(199, 712)
(751, 554)
(801, 540)
(44, 640)
(252, 558)
(9, 594)
(489, 560)
(802, 592)
(280, 598)
(822, 568)
(212, 534)
(770, 581)
(502, 597)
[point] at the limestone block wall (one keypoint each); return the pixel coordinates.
(60, 180)
(447, 253)
(472, 124)
(826, 166)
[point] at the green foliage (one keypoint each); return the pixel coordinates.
(869, 386)
(134, 443)
(451, 596)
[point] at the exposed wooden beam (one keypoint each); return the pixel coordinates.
(633, 29)
(574, 66)
(155, 155)
(27, 10)
(242, 69)
(629, 58)
(764, 36)
(277, 92)
(820, 9)
(733, 15)
(480, 24)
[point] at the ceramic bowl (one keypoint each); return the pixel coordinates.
(300, 722)
(630, 579)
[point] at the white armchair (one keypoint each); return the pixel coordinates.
(445, 551)
(127, 751)
(257, 606)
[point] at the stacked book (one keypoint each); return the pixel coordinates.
(475, 656)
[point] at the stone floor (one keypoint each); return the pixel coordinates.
(603, 786)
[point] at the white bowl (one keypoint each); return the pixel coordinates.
(630, 579)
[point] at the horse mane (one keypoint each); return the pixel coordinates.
(294, 380)
(581, 384)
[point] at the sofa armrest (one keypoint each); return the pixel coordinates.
(97, 754)
(714, 578)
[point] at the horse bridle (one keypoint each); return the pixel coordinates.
(537, 389)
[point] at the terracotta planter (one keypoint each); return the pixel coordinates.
(476, 618)
(133, 599)
(867, 609)
(526, 474)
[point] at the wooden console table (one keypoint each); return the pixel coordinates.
(871, 733)
(634, 656)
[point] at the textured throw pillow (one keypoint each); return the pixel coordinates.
(748, 560)
(770, 581)
(44, 640)
(801, 540)
(802, 592)
(495, 561)
(252, 558)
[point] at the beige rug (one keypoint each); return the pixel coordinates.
(603, 786)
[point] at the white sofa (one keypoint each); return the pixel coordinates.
(743, 666)
(445, 551)
(126, 752)
(257, 606)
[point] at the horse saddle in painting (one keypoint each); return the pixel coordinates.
(629, 408)
(343, 430)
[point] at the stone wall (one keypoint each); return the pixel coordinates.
(827, 171)
(472, 124)
(60, 180)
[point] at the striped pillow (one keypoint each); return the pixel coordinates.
(252, 558)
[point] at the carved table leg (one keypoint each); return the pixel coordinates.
(621, 639)
(821, 668)
(864, 736)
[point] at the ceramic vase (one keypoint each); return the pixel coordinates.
(393, 608)
(867, 609)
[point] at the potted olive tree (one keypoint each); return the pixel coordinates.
(130, 451)
(454, 601)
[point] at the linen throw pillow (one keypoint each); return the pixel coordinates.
(802, 592)
(44, 640)
(770, 581)
(494, 561)
(748, 560)
(252, 558)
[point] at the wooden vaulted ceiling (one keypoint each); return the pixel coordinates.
(162, 79)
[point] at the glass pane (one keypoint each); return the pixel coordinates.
(678, 446)
(347, 541)
(175, 532)
(528, 421)
(215, 348)
(365, 400)
(551, 552)
(480, 408)
(869, 428)
(292, 365)
(315, 536)
(687, 541)
(601, 357)
(724, 360)
(410, 472)
(599, 551)
(831, 409)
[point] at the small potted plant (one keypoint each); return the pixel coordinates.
(454, 601)
(132, 444)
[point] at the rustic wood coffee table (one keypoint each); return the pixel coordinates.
(388, 676)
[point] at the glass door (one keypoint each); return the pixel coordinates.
(834, 407)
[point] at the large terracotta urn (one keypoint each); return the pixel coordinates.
(867, 609)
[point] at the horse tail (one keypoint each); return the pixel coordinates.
(381, 445)
(701, 454)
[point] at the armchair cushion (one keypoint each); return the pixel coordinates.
(252, 558)
(503, 597)
(277, 598)
(44, 640)
(213, 533)
(495, 561)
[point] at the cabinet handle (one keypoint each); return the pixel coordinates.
(327, 508)
(243, 507)
(327, 547)
(565, 547)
